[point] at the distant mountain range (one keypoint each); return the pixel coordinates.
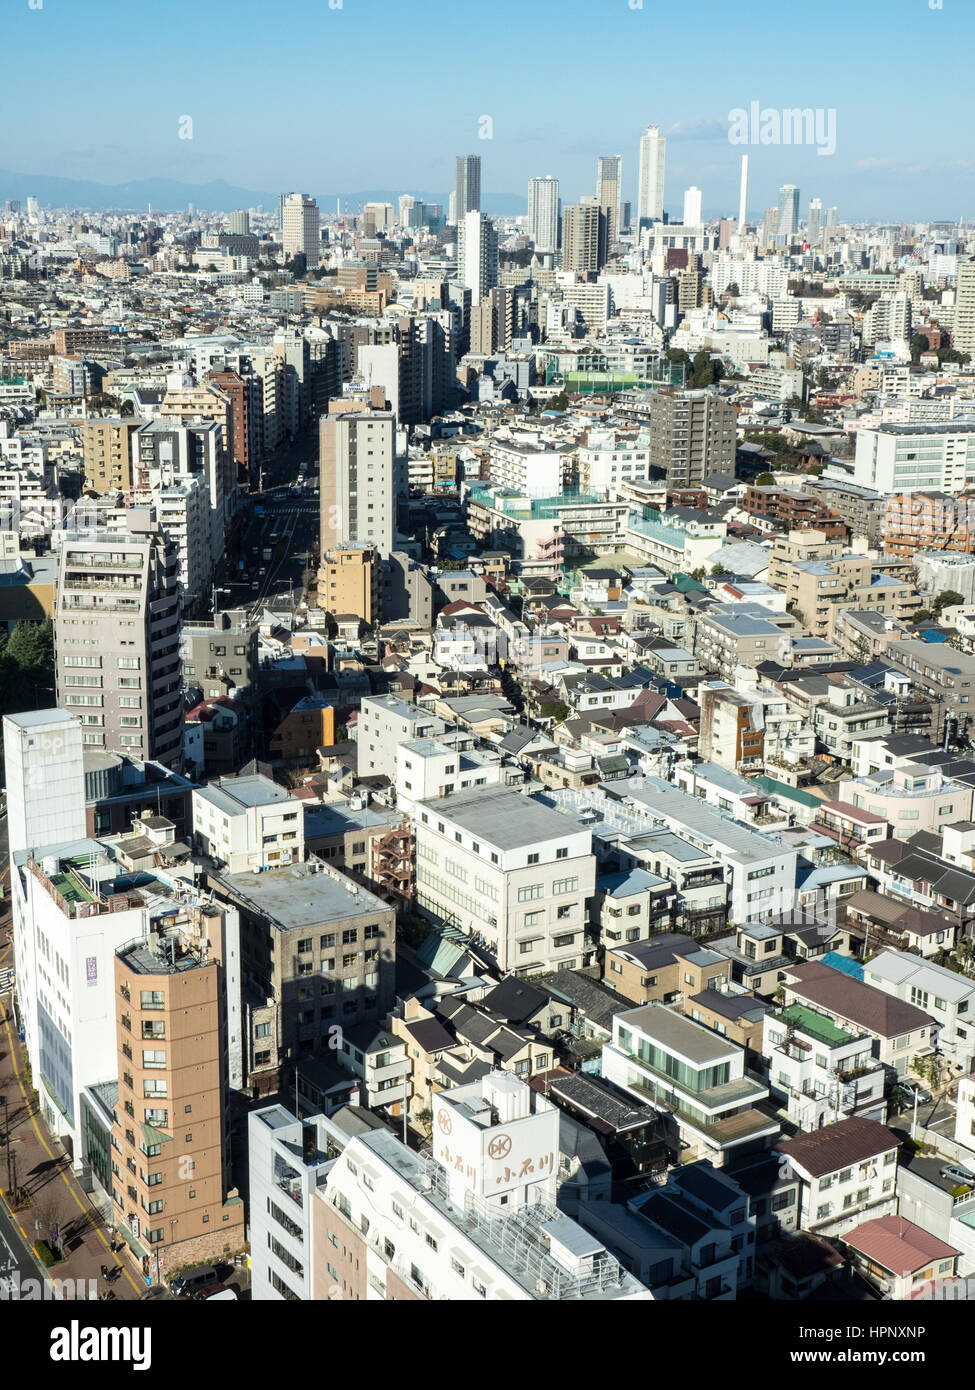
(169, 195)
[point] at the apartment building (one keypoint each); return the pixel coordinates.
(682, 1067)
(220, 657)
(349, 580)
(900, 1031)
(692, 434)
(106, 450)
(248, 822)
(385, 722)
(895, 459)
(798, 547)
(668, 969)
(632, 905)
(724, 641)
(798, 510)
(847, 1171)
(358, 480)
(176, 1200)
(818, 589)
(944, 674)
(912, 797)
(820, 1072)
(510, 870)
(760, 871)
(945, 996)
(317, 955)
(117, 625)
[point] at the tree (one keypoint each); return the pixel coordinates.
(765, 480)
(556, 710)
(702, 368)
(919, 344)
(946, 599)
(922, 615)
(733, 291)
(822, 378)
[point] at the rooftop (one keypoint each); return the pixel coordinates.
(304, 895)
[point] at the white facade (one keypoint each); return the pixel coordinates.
(945, 996)
(650, 198)
(692, 207)
(300, 230)
(906, 458)
(45, 779)
(386, 721)
(526, 470)
(499, 864)
(247, 823)
(543, 214)
(477, 255)
(820, 1072)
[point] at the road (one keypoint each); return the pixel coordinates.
(16, 1256)
(289, 514)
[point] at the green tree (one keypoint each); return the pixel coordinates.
(764, 480)
(703, 369)
(733, 291)
(556, 710)
(822, 378)
(946, 599)
(922, 615)
(919, 344)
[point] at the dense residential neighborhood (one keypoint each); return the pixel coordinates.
(488, 765)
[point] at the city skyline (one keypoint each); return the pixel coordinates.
(885, 166)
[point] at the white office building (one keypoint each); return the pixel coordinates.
(477, 255)
(248, 823)
(907, 458)
(653, 156)
(300, 228)
(543, 214)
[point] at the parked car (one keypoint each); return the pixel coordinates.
(194, 1281)
(221, 1291)
(953, 1173)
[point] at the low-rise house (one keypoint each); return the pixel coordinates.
(846, 1170)
(915, 872)
(761, 951)
(375, 1055)
(632, 906)
(900, 1031)
(889, 922)
(666, 969)
(947, 997)
(911, 798)
(733, 1012)
(819, 1071)
(898, 1258)
(678, 1065)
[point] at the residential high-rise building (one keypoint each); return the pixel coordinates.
(609, 181)
(964, 331)
(584, 237)
(653, 155)
(117, 626)
(543, 214)
(240, 223)
(692, 434)
(467, 185)
(692, 207)
(492, 321)
(106, 445)
(770, 225)
(477, 254)
(814, 226)
(357, 451)
(300, 228)
(788, 213)
(173, 1028)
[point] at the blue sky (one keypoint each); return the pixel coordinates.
(384, 93)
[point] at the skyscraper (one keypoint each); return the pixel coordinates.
(743, 194)
(653, 155)
(609, 177)
(788, 212)
(477, 254)
(300, 232)
(240, 223)
(584, 237)
(770, 225)
(692, 207)
(468, 185)
(964, 334)
(814, 228)
(543, 214)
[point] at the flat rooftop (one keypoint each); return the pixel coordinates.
(298, 896)
(678, 1034)
(503, 818)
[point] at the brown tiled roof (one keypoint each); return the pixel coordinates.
(837, 1146)
(870, 1008)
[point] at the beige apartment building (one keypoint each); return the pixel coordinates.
(798, 546)
(107, 453)
(818, 590)
(349, 582)
(204, 401)
(667, 969)
(171, 1137)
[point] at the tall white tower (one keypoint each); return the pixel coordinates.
(692, 207)
(743, 196)
(300, 228)
(477, 255)
(45, 779)
(653, 155)
(543, 214)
